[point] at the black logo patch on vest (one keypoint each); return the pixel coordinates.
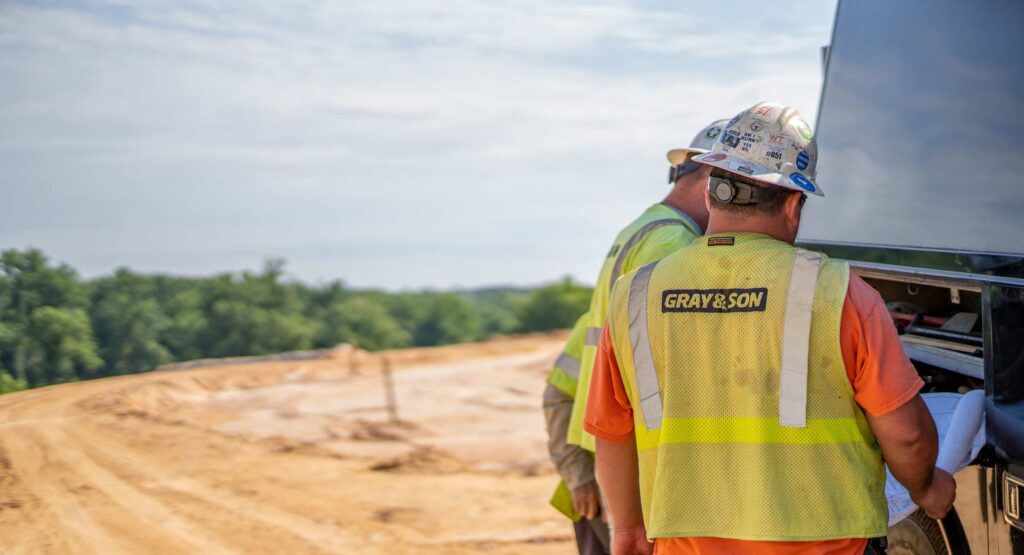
(714, 300)
(721, 241)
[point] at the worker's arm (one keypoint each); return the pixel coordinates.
(573, 463)
(910, 445)
(886, 386)
(619, 472)
(610, 418)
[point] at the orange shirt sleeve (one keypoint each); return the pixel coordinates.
(882, 376)
(609, 415)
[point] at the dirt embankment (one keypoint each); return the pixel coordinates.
(293, 456)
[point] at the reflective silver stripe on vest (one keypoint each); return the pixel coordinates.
(593, 337)
(569, 364)
(636, 238)
(686, 218)
(643, 362)
(796, 339)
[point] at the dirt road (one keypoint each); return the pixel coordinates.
(288, 457)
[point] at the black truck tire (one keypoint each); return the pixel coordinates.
(919, 534)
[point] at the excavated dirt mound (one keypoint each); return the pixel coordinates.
(289, 456)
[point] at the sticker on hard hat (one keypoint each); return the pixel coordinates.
(714, 300)
(801, 181)
(713, 132)
(803, 129)
(731, 138)
(734, 121)
(802, 160)
(756, 125)
(717, 157)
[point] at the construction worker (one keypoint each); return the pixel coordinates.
(747, 391)
(663, 228)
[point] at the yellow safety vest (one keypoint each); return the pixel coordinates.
(659, 231)
(746, 425)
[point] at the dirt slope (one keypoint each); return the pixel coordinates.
(288, 457)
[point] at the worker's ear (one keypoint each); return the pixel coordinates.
(792, 210)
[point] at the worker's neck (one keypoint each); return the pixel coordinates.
(719, 222)
(689, 204)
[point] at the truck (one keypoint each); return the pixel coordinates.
(920, 130)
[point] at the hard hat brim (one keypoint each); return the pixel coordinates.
(789, 177)
(677, 156)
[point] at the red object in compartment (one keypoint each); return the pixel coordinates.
(903, 318)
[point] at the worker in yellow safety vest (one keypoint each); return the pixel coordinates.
(663, 228)
(748, 393)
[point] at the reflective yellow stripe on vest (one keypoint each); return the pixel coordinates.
(757, 431)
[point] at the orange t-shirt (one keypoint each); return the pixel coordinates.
(882, 377)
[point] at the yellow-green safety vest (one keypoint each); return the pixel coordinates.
(745, 419)
(659, 231)
(563, 376)
(565, 372)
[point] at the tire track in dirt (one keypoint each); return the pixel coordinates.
(136, 502)
(32, 461)
(316, 536)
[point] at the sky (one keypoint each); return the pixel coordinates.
(396, 144)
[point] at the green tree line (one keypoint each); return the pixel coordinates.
(56, 327)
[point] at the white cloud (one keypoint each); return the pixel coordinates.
(536, 128)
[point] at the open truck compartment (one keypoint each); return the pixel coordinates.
(940, 326)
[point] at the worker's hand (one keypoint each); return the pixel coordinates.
(631, 541)
(938, 498)
(586, 499)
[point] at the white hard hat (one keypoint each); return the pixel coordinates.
(769, 143)
(699, 145)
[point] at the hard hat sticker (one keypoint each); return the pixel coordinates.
(803, 129)
(802, 160)
(801, 181)
(734, 120)
(717, 157)
(731, 138)
(713, 133)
